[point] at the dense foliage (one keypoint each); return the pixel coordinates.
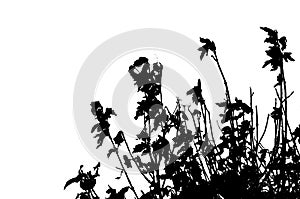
(238, 166)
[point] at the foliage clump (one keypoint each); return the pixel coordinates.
(238, 166)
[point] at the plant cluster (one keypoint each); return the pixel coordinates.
(237, 166)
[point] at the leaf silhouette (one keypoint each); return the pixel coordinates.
(283, 41)
(110, 151)
(114, 195)
(127, 161)
(279, 80)
(96, 126)
(142, 147)
(287, 56)
(203, 52)
(196, 93)
(159, 143)
(143, 135)
(277, 113)
(100, 140)
(119, 138)
(184, 116)
(121, 173)
(273, 35)
(208, 44)
(73, 180)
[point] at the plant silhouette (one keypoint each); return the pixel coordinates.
(237, 166)
(87, 183)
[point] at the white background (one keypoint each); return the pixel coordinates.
(43, 45)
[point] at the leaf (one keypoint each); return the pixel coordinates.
(160, 143)
(110, 151)
(205, 41)
(277, 113)
(279, 80)
(145, 105)
(100, 140)
(112, 192)
(102, 117)
(127, 161)
(119, 177)
(222, 104)
(109, 112)
(227, 130)
(160, 119)
(143, 74)
(274, 52)
(203, 52)
(184, 116)
(97, 166)
(283, 41)
(243, 106)
(95, 106)
(287, 57)
(196, 112)
(196, 93)
(208, 45)
(296, 133)
(267, 63)
(273, 36)
(140, 61)
(119, 138)
(95, 127)
(156, 73)
(143, 135)
(269, 31)
(140, 147)
(73, 180)
(121, 193)
(151, 89)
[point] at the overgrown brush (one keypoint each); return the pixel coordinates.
(237, 166)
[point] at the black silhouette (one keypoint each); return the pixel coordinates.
(116, 195)
(238, 166)
(87, 183)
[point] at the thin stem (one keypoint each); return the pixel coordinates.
(215, 57)
(256, 119)
(131, 155)
(251, 105)
(121, 163)
(266, 126)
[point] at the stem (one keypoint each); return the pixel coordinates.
(263, 132)
(251, 105)
(121, 163)
(215, 57)
(256, 121)
(131, 155)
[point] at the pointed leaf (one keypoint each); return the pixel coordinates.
(110, 151)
